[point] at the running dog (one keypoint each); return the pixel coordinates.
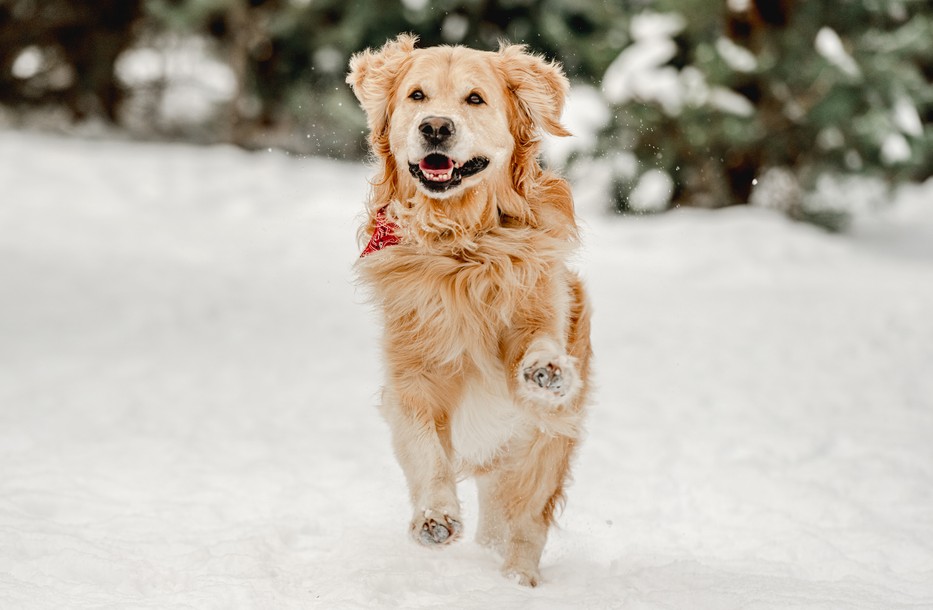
(486, 328)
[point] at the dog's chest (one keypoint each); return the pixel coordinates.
(452, 306)
(483, 423)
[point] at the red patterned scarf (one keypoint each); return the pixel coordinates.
(383, 235)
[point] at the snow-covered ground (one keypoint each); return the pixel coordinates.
(188, 380)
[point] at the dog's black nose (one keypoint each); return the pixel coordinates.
(436, 129)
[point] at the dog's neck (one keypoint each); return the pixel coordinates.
(454, 223)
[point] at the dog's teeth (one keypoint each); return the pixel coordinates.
(438, 177)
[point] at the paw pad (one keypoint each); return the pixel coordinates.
(434, 532)
(548, 377)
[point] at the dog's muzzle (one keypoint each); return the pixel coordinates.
(438, 172)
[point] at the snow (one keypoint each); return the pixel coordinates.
(648, 25)
(907, 118)
(190, 80)
(830, 46)
(895, 149)
(730, 102)
(27, 63)
(640, 72)
(585, 114)
(454, 28)
(736, 56)
(652, 192)
(415, 5)
(188, 380)
(738, 6)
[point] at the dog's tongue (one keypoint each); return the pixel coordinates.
(436, 164)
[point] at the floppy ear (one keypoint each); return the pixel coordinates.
(373, 75)
(539, 87)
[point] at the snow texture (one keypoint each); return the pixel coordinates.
(731, 102)
(736, 56)
(907, 118)
(585, 114)
(188, 380)
(653, 192)
(830, 46)
(191, 83)
(641, 71)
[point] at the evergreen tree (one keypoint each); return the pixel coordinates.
(810, 87)
(290, 57)
(59, 52)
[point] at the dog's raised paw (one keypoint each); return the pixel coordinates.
(432, 529)
(548, 378)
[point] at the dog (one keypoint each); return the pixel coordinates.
(486, 328)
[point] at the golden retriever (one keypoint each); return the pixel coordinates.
(486, 329)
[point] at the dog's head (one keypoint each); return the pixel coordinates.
(447, 119)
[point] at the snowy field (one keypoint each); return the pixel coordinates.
(188, 380)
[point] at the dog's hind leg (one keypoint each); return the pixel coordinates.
(492, 531)
(518, 501)
(421, 440)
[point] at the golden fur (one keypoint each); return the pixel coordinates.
(486, 329)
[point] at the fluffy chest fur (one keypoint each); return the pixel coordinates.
(456, 304)
(484, 422)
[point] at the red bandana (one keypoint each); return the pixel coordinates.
(383, 235)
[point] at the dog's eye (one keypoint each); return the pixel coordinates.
(416, 95)
(475, 99)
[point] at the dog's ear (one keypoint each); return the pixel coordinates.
(373, 75)
(539, 87)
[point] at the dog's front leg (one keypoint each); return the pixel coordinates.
(546, 375)
(537, 351)
(421, 440)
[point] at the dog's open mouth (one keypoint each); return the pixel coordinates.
(439, 172)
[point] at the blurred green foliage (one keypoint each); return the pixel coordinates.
(289, 56)
(62, 52)
(831, 87)
(807, 87)
(292, 56)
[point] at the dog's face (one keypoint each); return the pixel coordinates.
(452, 118)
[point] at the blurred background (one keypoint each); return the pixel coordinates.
(188, 374)
(675, 102)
